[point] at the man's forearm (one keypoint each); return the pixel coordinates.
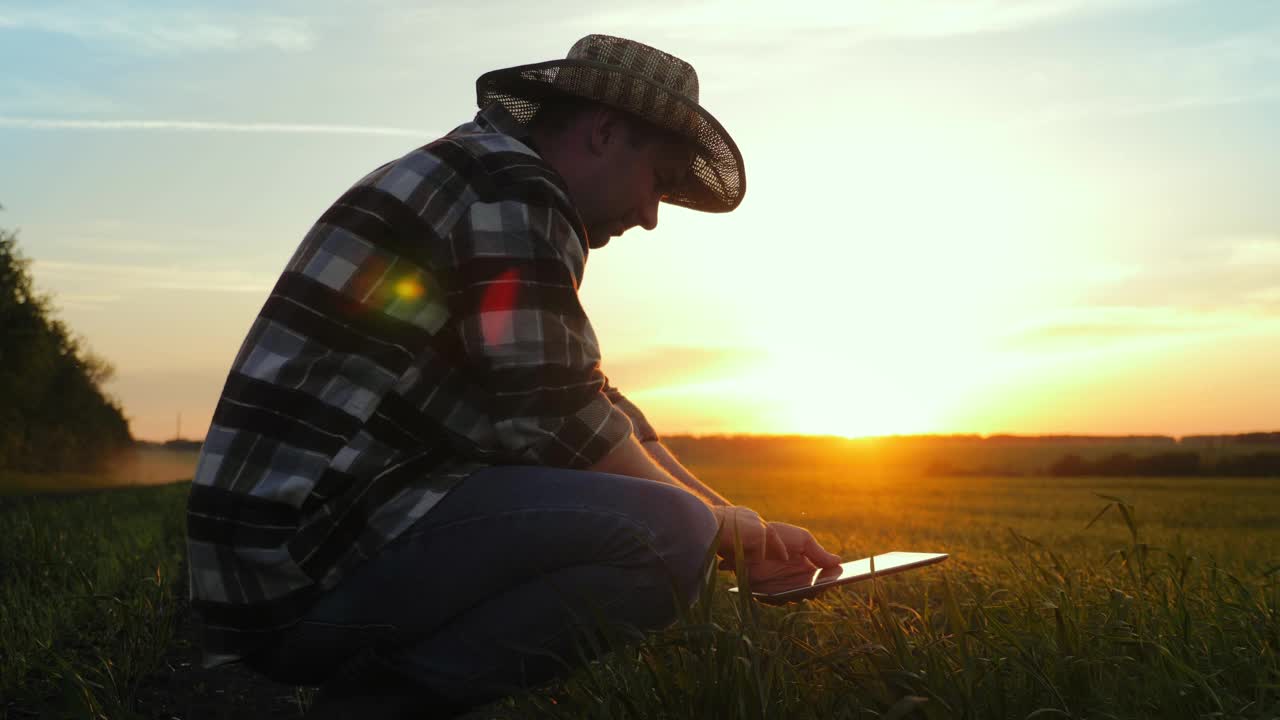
(653, 461)
(664, 458)
(630, 459)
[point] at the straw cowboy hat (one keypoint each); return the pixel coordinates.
(644, 81)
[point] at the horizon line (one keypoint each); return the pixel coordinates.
(900, 436)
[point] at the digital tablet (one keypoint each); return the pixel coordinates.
(809, 584)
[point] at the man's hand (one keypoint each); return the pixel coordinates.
(759, 540)
(803, 555)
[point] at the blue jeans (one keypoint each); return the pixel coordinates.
(490, 592)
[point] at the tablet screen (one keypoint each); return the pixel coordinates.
(851, 571)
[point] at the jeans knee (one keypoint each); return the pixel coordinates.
(693, 529)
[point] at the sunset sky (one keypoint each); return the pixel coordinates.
(1057, 216)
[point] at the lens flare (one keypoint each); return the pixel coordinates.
(409, 289)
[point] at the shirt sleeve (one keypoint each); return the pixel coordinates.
(644, 431)
(528, 343)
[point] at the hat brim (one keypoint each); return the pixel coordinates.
(717, 179)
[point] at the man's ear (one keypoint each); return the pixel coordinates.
(606, 129)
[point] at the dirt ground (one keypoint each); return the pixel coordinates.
(183, 690)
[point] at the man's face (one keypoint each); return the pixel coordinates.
(627, 184)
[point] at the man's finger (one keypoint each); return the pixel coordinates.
(819, 555)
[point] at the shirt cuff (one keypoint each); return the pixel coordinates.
(592, 433)
(643, 431)
(579, 441)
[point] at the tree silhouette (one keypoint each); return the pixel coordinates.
(54, 415)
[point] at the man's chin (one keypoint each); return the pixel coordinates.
(598, 237)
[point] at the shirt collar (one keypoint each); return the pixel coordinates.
(495, 118)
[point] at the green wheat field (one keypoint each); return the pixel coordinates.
(1064, 597)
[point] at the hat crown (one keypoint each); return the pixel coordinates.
(648, 62)
(657, 87)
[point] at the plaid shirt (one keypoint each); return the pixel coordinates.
(427, 326)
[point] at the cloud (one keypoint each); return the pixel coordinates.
(1235, 274)
(903, 18)
(1131, 107)
(205, 126)
(1096, 328)
(125, 243)
(123, 278)
(1218, 287)
(85, 302)
(1236, 69)
(22, 95)
(84, 238)
(149, 30)
(1255, 252)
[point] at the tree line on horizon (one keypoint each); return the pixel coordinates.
(1240, 455)
(54, 414)
(1171, 464)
